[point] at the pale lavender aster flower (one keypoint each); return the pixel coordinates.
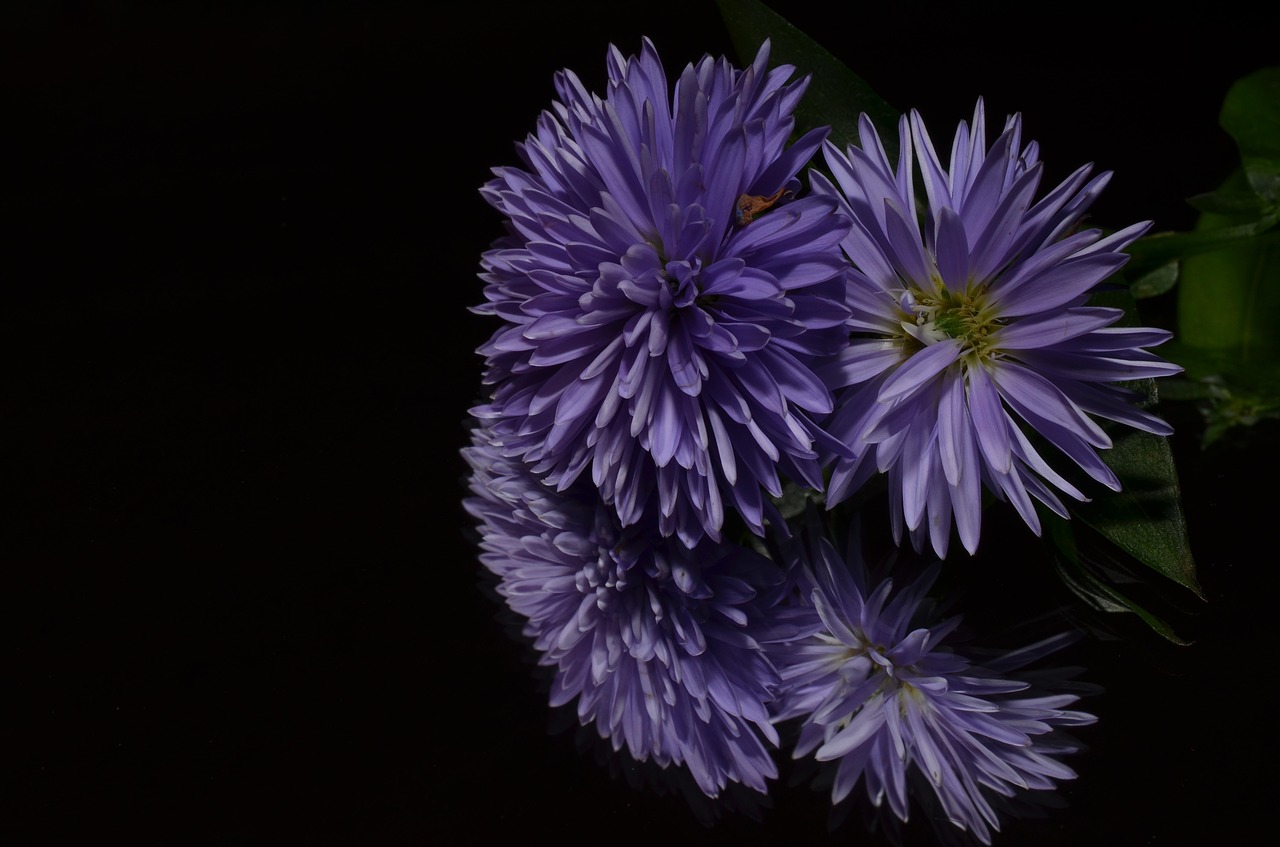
(655, 640)
(971, 333)
(884, 695)
(665, 295)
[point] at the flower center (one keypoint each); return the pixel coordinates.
(929, 316)
(606, 574)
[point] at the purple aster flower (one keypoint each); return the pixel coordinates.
(664, 295)
(971, 332)
(655, 640)
(882, 693)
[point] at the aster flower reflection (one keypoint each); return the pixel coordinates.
(883, 696)
(664, 294)
(974, 328)
(655, 640)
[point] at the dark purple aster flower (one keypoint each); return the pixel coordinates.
(664, 295)
(971, 330)
(881, 692)
(655, 640)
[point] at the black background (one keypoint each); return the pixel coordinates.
(247, 610)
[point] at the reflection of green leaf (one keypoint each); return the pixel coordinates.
(1083, 579)
(1145, 518)
(836, 95)
(1251, 115)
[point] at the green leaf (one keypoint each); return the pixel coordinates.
(1230, 392)
(796, 499)
(1153, 251)
(1145, 518)
(1230, 201)
(1206, 363)
(836, 95)
(1232, 408)
(1229, 298)
(1156, 282)
(1251, 115)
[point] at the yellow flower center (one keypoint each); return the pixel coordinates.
(931, 314)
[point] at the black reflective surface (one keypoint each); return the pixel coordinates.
(247, 608)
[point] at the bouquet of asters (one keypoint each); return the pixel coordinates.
(768, 354)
